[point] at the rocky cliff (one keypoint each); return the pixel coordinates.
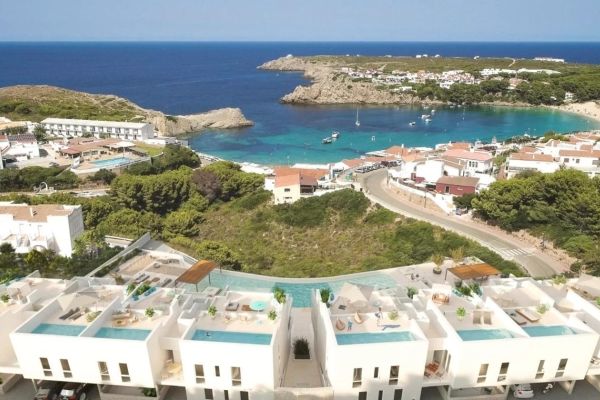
(224, 118)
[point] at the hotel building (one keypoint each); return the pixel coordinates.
(138, 131)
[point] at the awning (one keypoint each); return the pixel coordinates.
(474, 271)
(120, 145)
(197, 272)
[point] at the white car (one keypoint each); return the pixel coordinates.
(523, 391)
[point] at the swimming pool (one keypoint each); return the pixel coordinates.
(122, 333)
(58, 329)
(300, 291)
(362, 338)
(553, 330)
(484, 334)
(112, 162)
(231, 337)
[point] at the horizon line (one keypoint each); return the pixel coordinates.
(295, 41)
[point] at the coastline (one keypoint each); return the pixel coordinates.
(588, 109)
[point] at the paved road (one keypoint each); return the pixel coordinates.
(536, 264)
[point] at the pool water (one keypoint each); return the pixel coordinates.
(554, 330)
(112, 162)
(232, 337)
(122, 333)
(484, 334)
(363, 338)
(300, 292)
(58, 329)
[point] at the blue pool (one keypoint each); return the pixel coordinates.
(58, 329)
(300, 292)
(122, 333)
(553, 330)
(484, 334)
(231, 337)
(113, 162)
(362, 338)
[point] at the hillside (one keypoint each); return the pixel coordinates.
(35, 103)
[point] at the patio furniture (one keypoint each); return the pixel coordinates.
(258, 305)
(519, 320)
(121, 322)
(233, 306)
(358, 319)
(340, 325)
(529, 315)
(389, 326)
(440, 298)
(431, 369)
(68, 314)
(121, 315)
(246, 307)
(76, 315)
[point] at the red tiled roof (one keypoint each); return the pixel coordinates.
(295, 179)
(459, 180)
(460, 145)
(527, 149)
(315, 173)
(580, 153)
(531, 157)
(468, 155)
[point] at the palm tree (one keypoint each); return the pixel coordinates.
(438, 260)
(457, 254)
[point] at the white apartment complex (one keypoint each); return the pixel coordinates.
(118, 130)
(47, 226)
(366, 342)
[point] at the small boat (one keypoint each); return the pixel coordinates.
(357, 123)
(412, 123)
(373, 138)
(427, 120)
(432, 112)
(425, 116)
(327, 140)
(335, 135)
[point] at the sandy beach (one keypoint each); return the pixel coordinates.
(590, 109)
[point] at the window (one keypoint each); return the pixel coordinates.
(217, 371)
(447, 189)
(226, 394)
(199, 373)
(66, 368)
(503, 371)
(394, 372)
(46, 366)
(286, 190)
(357, 377)
(236, 376)
(380, 395)
(376, 372)
(398, 394)
(362, 395)
(208, 394)
(561, 367)
(244, 396)
(482, 373)
(124, 372)
(566, 160)
(103, 368)
(540, 371)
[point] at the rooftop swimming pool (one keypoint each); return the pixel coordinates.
(484, 334)
(553, 330)
(231, 337)
(122, 333)
(300, 292)
(58, 329)
(112, 162)
(377, 337)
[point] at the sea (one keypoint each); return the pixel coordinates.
(185, 78)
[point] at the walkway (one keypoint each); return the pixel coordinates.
(531, 259)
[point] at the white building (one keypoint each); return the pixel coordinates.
(47, 226)
(474, 161)
(520, 162)
(19, 147)
(78, 127)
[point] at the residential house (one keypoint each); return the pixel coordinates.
(475, 161)
(456, 185)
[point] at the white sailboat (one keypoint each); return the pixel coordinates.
(357, 123)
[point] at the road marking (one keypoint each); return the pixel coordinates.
(512, 253)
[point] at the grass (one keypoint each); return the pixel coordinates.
(151, 150)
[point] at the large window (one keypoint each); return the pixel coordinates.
(398, 394)
(562, 365)
(482, 373)
(66, 368)
(46, 366)
(226, 394)
(244, 396)
(124, 372)
(540, 370)
(362, 395)
(394, 372)
(236, 376)
(376, 372)
(503, 371)
(208, 394)
(217, 371)
(199, 373)
(103, 368)
(380, 395)
(357, 377)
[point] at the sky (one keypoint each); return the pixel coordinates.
(299, 20)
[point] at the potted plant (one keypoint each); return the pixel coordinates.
(272, 315)
(393, 315)
(461, 313)
(149, 392)
(410, 292)
(541, 308)
(325, 295)
(90, 317)
(5, 298)
(438, 260)
(212, 311)
(279, 295)
(559, 280)
(458, 255)
(301, 349)
(150, 312)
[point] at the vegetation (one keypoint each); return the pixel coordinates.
(325, 295)
(272, 315)
(212, 311)
(301, 349)
(279, 295)
(461, 312)
(563, 207)
(26, 179)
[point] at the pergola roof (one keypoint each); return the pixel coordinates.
(474, 271)
(197, 272)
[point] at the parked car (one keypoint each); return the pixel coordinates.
(523, 391)
(48, 390)
(74, 391)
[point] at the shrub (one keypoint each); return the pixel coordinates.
(461, 312)
(410, 292)
(212, 311)
(301, 348)
(393, 315)
(149, 312)
(325, 294)
(272, 315)
(279, 295)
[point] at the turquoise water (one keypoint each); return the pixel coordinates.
(362, 338)
(300, 292)
(122, 333)
(231, 337)
(58, 329)
(113, 162)
(484, 334)
(553, 330)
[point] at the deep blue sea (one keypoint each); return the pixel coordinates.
(182, 78)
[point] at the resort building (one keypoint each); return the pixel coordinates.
(19, 147)
(101, 129)
(48, 226)
(475, 161)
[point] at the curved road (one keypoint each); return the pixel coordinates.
(531, 259)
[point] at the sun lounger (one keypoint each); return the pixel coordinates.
(232, 306)
(121, 315)
(518, 319)
(440, 298)
(340, 325)
(166, 282)
(389, 326)
(68, 313)
(76, 315)
(358, 319)
(246, 307)
(529, 315)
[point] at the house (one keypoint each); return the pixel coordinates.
(474, 160)
(456, 185)
(101, 129)
(47, 226)
(520, 162)
(291, 184)
(583, 160)
(20, 147)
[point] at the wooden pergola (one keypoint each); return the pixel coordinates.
(194, 274)
(473, 271)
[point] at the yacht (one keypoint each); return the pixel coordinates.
(335, 135)
(327, 140)
(425, 116)
(413, 123)
(357, 123)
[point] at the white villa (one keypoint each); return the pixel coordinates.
(47, 226)
(118, 130)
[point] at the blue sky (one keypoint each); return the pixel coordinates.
(301, 20)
